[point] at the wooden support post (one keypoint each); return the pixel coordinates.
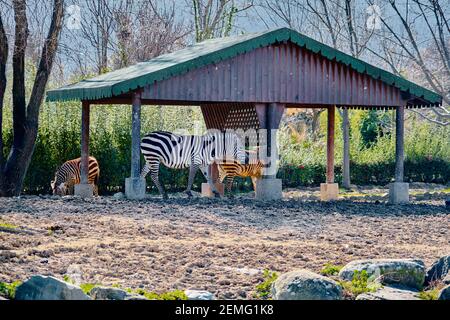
(399, 143)
(269, 116)
(136, 136)
(330, 144)
(329, 191)
(85, 113)
(135, 185)
(83, 189)
(399, 190)
(346, 149)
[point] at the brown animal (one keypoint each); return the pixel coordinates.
(68, 175)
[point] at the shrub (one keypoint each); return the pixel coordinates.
(263, 289)
(171, 295)
(8, 290)
(330, 269)
(360, 284)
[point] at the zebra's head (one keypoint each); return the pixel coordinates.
(58, 186)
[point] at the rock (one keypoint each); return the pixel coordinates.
(446, 280)
(406, 272)
(438, 270)
(135, 297)
(199, 295)
(390, 293)
(444, 294)
(48, 288)
(305, 285)
(2, 298)
(107, 293)
(119, 195)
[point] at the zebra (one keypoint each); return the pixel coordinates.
(182, 151)
(68, 175)
(230, 170)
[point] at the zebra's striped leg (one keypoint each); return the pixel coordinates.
(254, 183)
(229, 185)
(192, 171)
(153, 168)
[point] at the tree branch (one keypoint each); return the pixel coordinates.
(45, 65)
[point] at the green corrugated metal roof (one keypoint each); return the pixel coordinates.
(212, 51)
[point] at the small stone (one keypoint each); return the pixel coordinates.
(107, 293)
(119, 195)
(135, 297)
(199, 295)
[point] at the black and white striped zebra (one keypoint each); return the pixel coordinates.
(68, 175)
(183, 151)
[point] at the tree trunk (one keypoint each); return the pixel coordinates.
(25, 118)
(346, 151)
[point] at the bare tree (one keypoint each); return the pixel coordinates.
(421, 41)
(25, 116)
(147, 30)
(97, 28)
(215, 18)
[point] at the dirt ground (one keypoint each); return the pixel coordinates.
(217, 245)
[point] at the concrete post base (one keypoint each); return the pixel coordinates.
(207, 192)
(268, 189)
(135, 188)
(84, 190)
(329, 191)
(398, 193)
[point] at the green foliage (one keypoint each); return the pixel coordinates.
(87, 287)
(370, 128)
(8, 290)
(429, 294)
(330, 269)
(263, 289)
(360, 284)
(171, 295)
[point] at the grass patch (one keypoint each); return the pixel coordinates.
(8, 290)
(359, 284)
(432, 294)
(171, 295)
(263, 289)
(330, 269)
(87, 287)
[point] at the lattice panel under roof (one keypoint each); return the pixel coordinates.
(232, 116)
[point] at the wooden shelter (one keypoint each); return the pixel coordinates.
(247, 82)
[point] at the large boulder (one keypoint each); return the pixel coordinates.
(438, 270)
(107, 293)
(444, 294)
(199, 295)
(390, 293)
(404, 272)
(305, 285)
(49, 288)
